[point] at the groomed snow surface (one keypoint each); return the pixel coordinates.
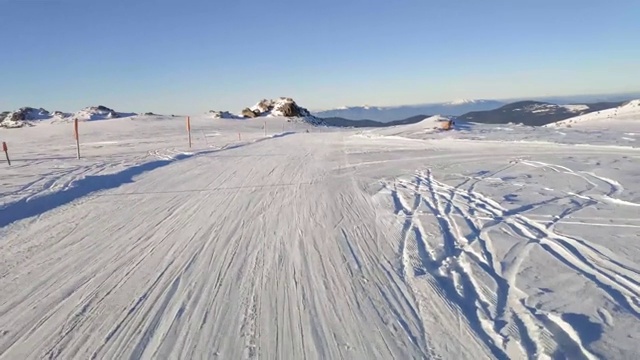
(301, 242)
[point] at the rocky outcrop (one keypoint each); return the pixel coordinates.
(283, 106)
(27, 114)
(102, 111)
(23, 117)
(248, 113)
(290, 110)
(263, 107)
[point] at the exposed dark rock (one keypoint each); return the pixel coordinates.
(248, 113)
(222, 114)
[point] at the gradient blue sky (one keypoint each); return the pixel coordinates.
(189, 57)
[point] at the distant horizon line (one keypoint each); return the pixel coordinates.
(388, 107)
(470, 100)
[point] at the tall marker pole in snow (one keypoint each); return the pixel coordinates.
(6, 152)
(189, 130)
(265, 128)
(76, 134)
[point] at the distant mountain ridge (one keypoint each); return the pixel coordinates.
(528, 112)
(342, 122)
(392, 113)
(460, 107)
(534, 113)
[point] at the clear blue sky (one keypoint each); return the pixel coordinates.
(192, 56)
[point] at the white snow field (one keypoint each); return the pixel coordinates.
(486, 242)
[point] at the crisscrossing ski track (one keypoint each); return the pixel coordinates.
(466, 251)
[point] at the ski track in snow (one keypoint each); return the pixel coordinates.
(500, 314)
(211, 270)
(307, 246)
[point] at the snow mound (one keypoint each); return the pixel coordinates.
(223, 115)
(99, 113)
(436, 119)
(23, 117)
(433, 124)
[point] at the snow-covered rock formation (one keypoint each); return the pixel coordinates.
(282, 107)
(23, 117)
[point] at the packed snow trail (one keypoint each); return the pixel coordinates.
(257, 252)
(330, 244)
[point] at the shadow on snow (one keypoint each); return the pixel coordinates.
(29, 207)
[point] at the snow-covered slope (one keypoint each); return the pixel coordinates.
(626, 116)
(296, 241)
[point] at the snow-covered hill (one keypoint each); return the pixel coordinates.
(533, 113)
(626, 115)
(391, 113)
(99, 112)
(25, 117)
(28, 116)
(430, 124)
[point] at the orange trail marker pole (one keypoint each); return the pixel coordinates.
(6, 152)
(189, 130)
(76, 134)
